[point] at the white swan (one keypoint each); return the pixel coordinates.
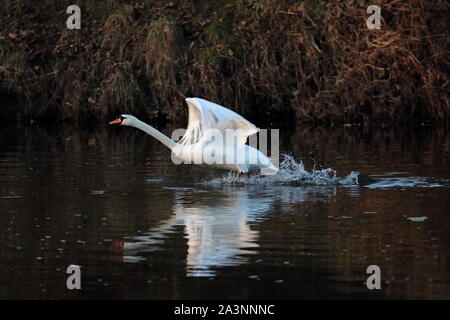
(207, 139)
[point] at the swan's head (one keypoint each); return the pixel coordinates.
(124, 120)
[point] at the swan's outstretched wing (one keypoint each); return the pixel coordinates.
(204, 115)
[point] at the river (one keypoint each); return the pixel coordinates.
(111, 201)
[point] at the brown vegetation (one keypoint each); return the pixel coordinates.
(312, 60)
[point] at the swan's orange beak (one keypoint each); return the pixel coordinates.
(117, 121)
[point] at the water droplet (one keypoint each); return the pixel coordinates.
(417, 219)
(98, 192)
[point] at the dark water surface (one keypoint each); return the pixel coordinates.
(140, 227)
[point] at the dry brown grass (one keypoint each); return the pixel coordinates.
(161, 56)
(311, 60)
(121, 92)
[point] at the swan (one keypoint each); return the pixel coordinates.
(207, 139)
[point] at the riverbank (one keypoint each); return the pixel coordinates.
(309, 61)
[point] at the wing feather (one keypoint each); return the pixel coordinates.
(204, 115)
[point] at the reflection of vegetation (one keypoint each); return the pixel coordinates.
(309, 60)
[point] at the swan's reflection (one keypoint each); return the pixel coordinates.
(217, 223)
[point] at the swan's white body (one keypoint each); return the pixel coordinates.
(207, 121)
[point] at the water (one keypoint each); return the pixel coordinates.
(140, 227)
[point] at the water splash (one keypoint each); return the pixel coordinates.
(291, 173)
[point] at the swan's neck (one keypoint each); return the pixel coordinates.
(169, 143)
